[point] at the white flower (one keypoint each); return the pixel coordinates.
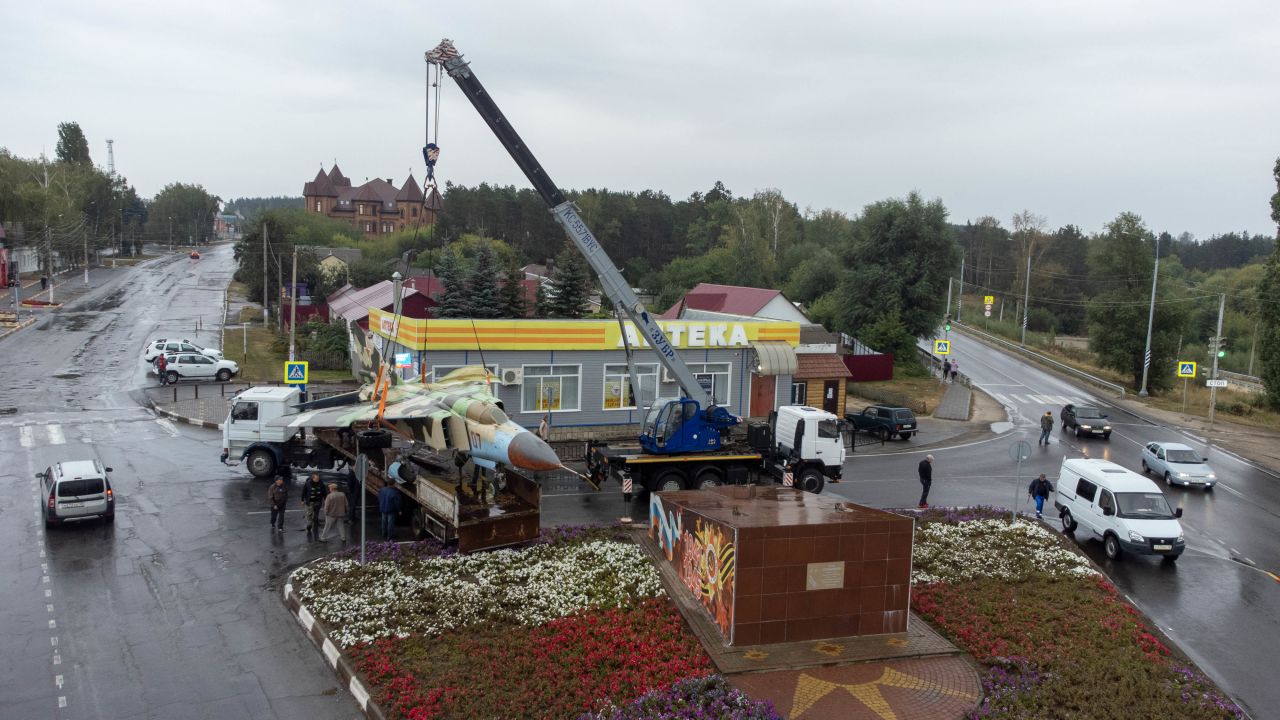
(991, 548)
(529, 586)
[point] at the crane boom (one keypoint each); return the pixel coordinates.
(613, 283)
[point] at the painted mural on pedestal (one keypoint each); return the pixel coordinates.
(702, 554)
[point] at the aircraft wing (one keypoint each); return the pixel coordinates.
(420, 417)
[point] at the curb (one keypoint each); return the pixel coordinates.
(341, 666)
(182, 418)
(16, 328)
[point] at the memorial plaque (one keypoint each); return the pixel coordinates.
(824, 576)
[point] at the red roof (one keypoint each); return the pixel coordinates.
(432, 287)
(728, 299)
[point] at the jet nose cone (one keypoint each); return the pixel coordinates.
(529, 452)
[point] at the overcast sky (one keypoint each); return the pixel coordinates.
(1076, 111)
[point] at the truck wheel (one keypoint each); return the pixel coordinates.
(418, 525)
(261, 463)
(811, 481)
(905, 435)
(707, 477)
(670, 480)
(373, 439)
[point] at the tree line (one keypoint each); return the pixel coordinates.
(67, 205)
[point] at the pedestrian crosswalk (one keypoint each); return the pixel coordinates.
(44, 434)
(1049, 401)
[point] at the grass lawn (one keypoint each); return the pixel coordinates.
(266, 355)
(921, 394)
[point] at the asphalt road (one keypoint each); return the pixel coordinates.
(1221, 610)
(174, 611)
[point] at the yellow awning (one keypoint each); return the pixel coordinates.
(774, 357)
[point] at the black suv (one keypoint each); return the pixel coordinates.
(884, 421)
(1086, 420)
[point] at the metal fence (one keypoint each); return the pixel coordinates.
(197, 390)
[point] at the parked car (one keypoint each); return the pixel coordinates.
(194, 366)
(152, 350)
(1085, 420)
(1178, 464)
(884, 421)
(1123, 509)
(76, 490)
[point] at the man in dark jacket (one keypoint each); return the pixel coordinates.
(1046, 426)
(313, 494)
(388, 506)
(1039, 489)
(926, 479)
(278, 498)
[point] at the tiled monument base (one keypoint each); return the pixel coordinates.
(776, 565)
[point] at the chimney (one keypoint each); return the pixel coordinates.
(389, 182)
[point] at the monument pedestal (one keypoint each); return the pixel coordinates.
(772, 564)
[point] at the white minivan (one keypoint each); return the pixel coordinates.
(77, 490)
(1126, 511)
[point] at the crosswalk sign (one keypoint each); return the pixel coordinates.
(1186, 369)
(988, 299)
(295, 372)
(942, 347)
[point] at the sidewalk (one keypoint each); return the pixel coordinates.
(68, 287)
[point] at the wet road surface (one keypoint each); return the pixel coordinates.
(1216, 602)
(173, 611)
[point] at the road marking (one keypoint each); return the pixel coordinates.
(62, 701)
(1018, 399)
(57, 659)
(57, 680)
(55, 435)
(48, 607)
(26, 436)
(168, 426)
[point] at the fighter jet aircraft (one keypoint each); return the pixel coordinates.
(458, 412)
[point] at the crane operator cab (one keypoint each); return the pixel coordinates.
(678, 425)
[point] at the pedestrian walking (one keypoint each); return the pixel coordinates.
(278, 498)
(1039, 490)
(1046, 426)
(388, 506)
(162, 366)
(313, 495)
(926, 479)
(955, 370)
(335, 513)
(946, 370)
(44, 282)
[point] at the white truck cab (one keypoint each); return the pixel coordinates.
(1126, 511)
(247, 434)
(812, 437)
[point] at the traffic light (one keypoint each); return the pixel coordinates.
(1218, 345)
(947, 323)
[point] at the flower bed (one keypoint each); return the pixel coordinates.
(576, 624)
(1056, 638)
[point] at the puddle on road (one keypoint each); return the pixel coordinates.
(67, 376)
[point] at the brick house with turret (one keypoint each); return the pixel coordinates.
(374, 208)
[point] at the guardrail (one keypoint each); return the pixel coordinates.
(1042, 358)
(1248, 382)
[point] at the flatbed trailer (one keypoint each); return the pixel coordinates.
(442, 504)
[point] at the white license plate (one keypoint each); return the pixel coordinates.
(908, 427)
(1161, 547)
(72, 505)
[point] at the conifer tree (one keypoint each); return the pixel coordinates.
(482, 288)
(511, 295)
(571, 285)
(453, 300)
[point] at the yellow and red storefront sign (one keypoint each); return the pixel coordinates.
(571, 334)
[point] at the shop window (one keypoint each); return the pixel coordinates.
(618, 393)
(551, 388)
(715, 375)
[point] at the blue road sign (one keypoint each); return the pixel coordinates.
(942, 347)
(1186, 369)
(295, 372)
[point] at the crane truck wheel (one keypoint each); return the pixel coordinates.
(670, 480)
(418, 525)
(812, 481)
(707, 477)
(261, 463)
(373, 439)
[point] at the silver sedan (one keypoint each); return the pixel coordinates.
(1178, 464)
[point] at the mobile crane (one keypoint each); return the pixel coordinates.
(682, 441)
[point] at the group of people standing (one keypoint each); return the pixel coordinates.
(325, 503)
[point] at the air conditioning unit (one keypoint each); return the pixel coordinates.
(512, 376)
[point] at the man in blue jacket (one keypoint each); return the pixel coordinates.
(388, 506)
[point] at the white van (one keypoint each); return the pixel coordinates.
(77, 490)
(1123, 509)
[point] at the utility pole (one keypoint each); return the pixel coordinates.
(1026, 299)
(960, 296)
(266, 312)
(293, 303)
(170, 233)
(279, 296)
(949, 279)
(1252, 348)
(86, 257)
(1151, 316)
(49, 234)
(1217, 345)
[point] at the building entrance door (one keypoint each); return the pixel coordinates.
(831, 397)
(763, 388)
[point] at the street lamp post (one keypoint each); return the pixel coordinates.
(170, 233)
(1151, 316)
